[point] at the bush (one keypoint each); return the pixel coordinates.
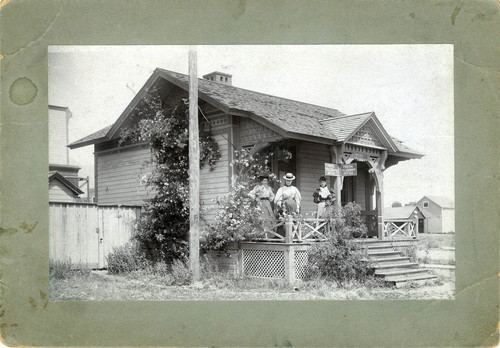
(63, 269)
(338, 259)
(181, 273)
(126, 259)
(347, 222)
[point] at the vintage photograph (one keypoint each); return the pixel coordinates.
(324, 172)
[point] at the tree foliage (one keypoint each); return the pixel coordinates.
(163, 229)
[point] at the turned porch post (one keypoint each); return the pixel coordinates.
(377, 169)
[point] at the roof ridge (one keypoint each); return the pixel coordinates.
(344, 116)
(255, 92)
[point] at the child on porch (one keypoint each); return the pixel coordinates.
(264, 195)
(324, 197)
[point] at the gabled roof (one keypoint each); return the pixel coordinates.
(404, 212)
(442, 201)
(55, 175)
(346, 126)
(289, 118)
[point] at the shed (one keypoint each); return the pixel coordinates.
(241, 118)
(440, 214)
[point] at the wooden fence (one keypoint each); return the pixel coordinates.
(86, 233)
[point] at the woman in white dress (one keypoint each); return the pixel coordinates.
(288, 196)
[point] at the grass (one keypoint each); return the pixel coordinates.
(99, 285)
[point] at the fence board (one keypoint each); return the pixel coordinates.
(75, 231)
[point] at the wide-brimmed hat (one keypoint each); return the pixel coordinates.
(289, 176)
(263, 175)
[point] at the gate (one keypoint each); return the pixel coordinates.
(86, 233)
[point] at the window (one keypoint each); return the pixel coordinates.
(426, 204)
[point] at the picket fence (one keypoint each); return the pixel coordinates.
(86, 233)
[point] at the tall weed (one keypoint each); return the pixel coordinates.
(126, 258)
(64, 269)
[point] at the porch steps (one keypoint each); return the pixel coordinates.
(392, 265)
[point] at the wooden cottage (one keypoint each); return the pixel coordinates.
(241, 118)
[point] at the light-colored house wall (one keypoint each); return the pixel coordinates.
(59, 192)
(58, 135)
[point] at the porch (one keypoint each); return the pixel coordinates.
(285, 256)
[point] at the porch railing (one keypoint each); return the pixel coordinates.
(298, 230)
(394, 228)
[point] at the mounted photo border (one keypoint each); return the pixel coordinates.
(28, 318)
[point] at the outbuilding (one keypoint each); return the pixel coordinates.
(439, 212)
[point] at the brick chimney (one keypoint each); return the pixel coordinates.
(220, 77)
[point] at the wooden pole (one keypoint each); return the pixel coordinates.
(194, 171)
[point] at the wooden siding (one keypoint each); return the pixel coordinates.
(58, 136)
(311, 165)
(119, 175)
(215, 182)
(59, 192)
(87, 233)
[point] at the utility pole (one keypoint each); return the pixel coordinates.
(194, 170)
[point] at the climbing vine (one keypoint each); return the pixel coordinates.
(163, 229)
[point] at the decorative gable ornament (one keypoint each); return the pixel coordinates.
(367, 136)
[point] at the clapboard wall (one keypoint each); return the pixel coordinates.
(215, 182)
(311, 165)
(60, 192)
(119, 173)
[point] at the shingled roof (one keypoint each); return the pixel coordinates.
(288, 117)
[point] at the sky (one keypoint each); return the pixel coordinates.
(409, 87)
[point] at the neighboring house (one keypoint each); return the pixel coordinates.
(407, 212)
(62, 189)
(242, 118)
(439, 212)
(59, 158)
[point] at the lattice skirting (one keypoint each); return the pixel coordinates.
(264, 263)
(300, 264)
(271, 263)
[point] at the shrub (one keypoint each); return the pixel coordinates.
(338, 259)
(63, 269)
(126, 258)
(181, 273)
(347, 222)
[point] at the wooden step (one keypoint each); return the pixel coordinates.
(397, 265)
(379, 248)
(391, 260)
(399, 271)
(381, 254)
